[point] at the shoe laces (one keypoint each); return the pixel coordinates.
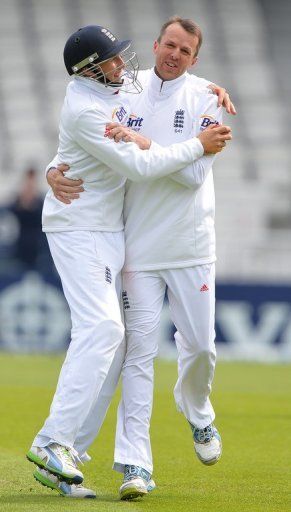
(202, 435)
(131, 472)
(75, 456)
(70, 455)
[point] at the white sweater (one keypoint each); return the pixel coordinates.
(100, 162)
(169, 223)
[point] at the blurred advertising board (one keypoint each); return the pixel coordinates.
(253, 322)
(34, 316)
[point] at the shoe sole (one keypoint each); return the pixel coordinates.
(210, 462)
(131, 493)
(46, 482)
(62, 476)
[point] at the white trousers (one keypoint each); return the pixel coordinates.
(89, 265)
(191, 295)
(192, 311)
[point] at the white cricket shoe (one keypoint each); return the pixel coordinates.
(207, 444)
(59, 460)
(151, 485)
(137, 482)
(135, 488)
(47, 479)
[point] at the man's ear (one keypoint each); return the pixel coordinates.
(156, 45)
(194, 61)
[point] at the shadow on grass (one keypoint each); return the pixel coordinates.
(34, 499)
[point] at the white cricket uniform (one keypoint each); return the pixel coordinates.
(170, 243)
(190, 285)
(87, 243)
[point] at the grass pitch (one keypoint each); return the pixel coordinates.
(253, 407)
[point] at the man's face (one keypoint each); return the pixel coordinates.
(113, 69)
(175, 52)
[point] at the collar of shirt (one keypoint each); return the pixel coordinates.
(97, 87)
(164, 88)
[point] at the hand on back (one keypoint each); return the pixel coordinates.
(64, 189)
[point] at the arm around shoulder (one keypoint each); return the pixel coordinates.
(126, 158)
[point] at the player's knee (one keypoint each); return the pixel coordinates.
(116, 330)
(141, 346)
(140, 354)
(206, 355)
(108, 332)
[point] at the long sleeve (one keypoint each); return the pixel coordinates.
(126, 158)
(54, 162)
(194, 175)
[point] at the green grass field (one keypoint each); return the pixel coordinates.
(253, 406)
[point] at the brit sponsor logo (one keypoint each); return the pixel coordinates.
(179, 120)
(119, 113)
(135, 122)
(207, 120)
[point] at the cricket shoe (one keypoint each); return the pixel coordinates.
(151, 485)
(59, 460)
(47, 479)
(207, 444)
(137, 482)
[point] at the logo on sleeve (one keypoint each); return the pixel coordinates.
(179, 121)
(207, 120)
(135, 122)
(119, 113)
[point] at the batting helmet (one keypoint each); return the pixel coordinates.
(92, 45)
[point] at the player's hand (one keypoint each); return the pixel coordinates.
(118, 132)
(64, 189)
(223, 98)
(214, 138)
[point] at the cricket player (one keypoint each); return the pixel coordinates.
(86, 237)
(170, 243)
(133, 483)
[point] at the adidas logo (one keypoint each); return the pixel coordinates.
(204, 288)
